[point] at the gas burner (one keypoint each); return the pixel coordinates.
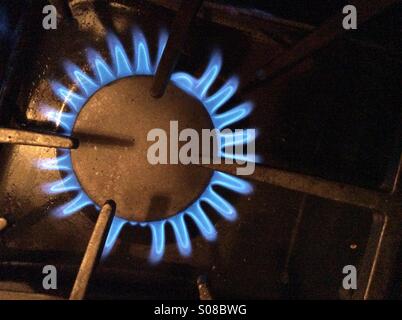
(117, 97)
(332, 152)
(144, 192)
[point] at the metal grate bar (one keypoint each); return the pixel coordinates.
(12, 136)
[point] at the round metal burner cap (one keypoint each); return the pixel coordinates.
(111, 161)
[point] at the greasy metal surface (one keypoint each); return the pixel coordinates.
(9, 295)
(203, 289)
(94, 251)
(3, 224)
(29, 138)
(113, 127)
(178, 34)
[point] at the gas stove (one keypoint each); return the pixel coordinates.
(79, 106)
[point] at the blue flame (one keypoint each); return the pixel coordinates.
(199, 88)
(80, 201)
(65, 120)
(121, 63)
(195, 212)
(122, 66)
(104, 75)
(68, 183)
(114, 232)
(142, 63)
(87, 85)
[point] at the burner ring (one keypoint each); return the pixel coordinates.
(111, 161)
(198, 88)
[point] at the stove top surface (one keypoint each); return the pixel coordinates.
(283, 244)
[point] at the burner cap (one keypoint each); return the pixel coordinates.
(111, 161)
